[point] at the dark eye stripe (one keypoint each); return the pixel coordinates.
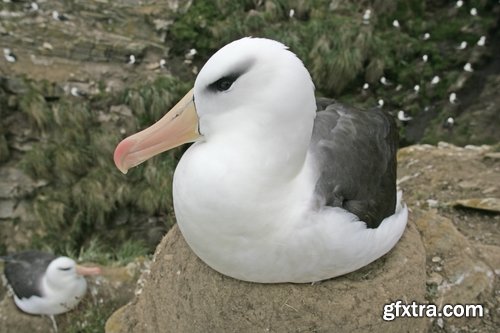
(64, 268)
(223, 83)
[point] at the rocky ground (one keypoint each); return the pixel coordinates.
(453, 192)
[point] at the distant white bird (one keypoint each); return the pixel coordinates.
(453, 98)
(481, 41)
(9, 56)
(74, 92)
(77, 93)
(163, 62)
(459, 3)
(425, 57)
(435, 80)
(426, 36)
(380, 103)
(34, 7)
(462, 45)
(449, 122)
(399, 87)
(395, 24)
(59, 17)
(468, 68)
(403, 117)
(473, 11)
(366, 86)
(384, 81)
(190, 54)
(291, 13)
(131, 59)
(366, 16)
(416, 88)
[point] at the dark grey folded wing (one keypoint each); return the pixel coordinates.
(25, 270)
(356, 154)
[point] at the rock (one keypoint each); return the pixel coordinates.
(466, 278)
(435, 278)
(492, 156)
(436, 259)
(182, 294)
(488, 204)
(6, 209)
(491, 256)
(16, 184)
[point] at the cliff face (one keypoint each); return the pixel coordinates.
(450, 253)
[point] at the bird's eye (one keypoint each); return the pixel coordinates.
(224, 84)
(64, 268)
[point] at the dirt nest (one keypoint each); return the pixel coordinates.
(182, 294)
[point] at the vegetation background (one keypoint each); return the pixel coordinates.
(60, 189)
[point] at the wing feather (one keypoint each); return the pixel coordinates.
(355, 152)
(24, 271)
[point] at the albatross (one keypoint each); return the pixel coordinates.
(277, 186)
(45, 284)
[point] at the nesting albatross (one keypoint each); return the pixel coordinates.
(45, 284)
(271, 190)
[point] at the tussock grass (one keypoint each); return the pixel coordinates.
(85, 190)
(342, 52)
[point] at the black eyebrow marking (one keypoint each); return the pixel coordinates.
(232, 75)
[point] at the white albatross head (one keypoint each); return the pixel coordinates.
(252, 85)
(63, 270)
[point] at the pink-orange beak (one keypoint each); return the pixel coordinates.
(178, 126)
(83, 270)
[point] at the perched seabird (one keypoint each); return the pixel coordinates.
(74, 91)
(366, 86)
(395, 24)
(399, 87)
(380, 103)
(9, 56)
(468, 67)
(291, 13)
(416, 88)
(190, 54)
(462, 45)
(453, 98)
(271, 190)
(45, 284)
(449, 123)
(59, 17)
(435, 80)
(426, 36)
(384, 81)
(34, 7)
(473, 11)
(459, 3)
(425, 57)
(481, 41)
(163, 62)
(366, 16)
(403, 117)
(131, 60)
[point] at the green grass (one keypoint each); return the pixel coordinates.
(85, 191)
